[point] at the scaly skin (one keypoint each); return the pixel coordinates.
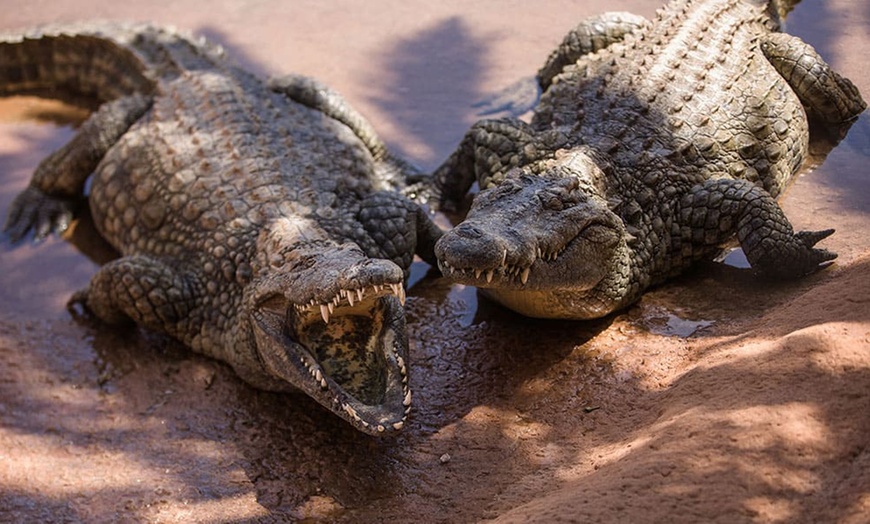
(653, 144)
(259, 224)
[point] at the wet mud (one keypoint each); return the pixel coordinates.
(718, 397)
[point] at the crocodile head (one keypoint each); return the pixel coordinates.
(329, 321)
(542, 243)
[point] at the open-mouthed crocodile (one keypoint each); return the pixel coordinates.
(258, 222)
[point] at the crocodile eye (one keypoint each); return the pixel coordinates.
(551, 201)
(570, 183)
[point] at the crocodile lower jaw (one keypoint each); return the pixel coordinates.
(349, 358)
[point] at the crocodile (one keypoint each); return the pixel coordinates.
(258, 221)
(653, 144)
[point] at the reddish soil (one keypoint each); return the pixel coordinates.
(718, 398)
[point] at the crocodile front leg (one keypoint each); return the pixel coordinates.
(138, 289)
(397, 229)
(591, 35)
(821, 90)
(489, 149)
(48, 203)
(712, 211)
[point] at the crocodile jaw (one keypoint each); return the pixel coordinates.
(350, 357)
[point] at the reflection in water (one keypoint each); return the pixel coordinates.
(734, 257)
(466, 298)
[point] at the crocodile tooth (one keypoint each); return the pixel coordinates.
(398, 425)
(323, 384)
(318, 376)
(359, 294)
(477, 273)
(352, 412)
(350, 298)
(504, 257)
(330, 307)
(342, 293)
(324, 312)
(489, 275)
(402, 295)
(395, 289)
(525, 276)
(407, 400)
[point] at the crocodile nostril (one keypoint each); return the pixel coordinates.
(468, 231)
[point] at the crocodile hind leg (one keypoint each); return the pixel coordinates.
(391, 170)
(712, 211)
(591, 35)
(137, 289)
(58, 183)
(822, 91)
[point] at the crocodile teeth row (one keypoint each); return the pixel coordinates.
(511, 271)
(550, 257)
(406, 401)
(352, 296)
(315, 371)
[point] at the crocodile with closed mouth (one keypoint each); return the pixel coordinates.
(654, 143)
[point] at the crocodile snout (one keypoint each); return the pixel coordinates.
(468, 246)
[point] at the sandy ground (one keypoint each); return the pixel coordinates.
(718, 398)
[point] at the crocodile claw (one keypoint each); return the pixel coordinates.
(799, 258)
(818, 258)
(811, 238)
(33, 210)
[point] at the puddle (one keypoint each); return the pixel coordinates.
(734, 257)
(661, 321)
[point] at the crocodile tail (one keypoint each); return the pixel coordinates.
(776, 10)
(780, 8)
(99, 62)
